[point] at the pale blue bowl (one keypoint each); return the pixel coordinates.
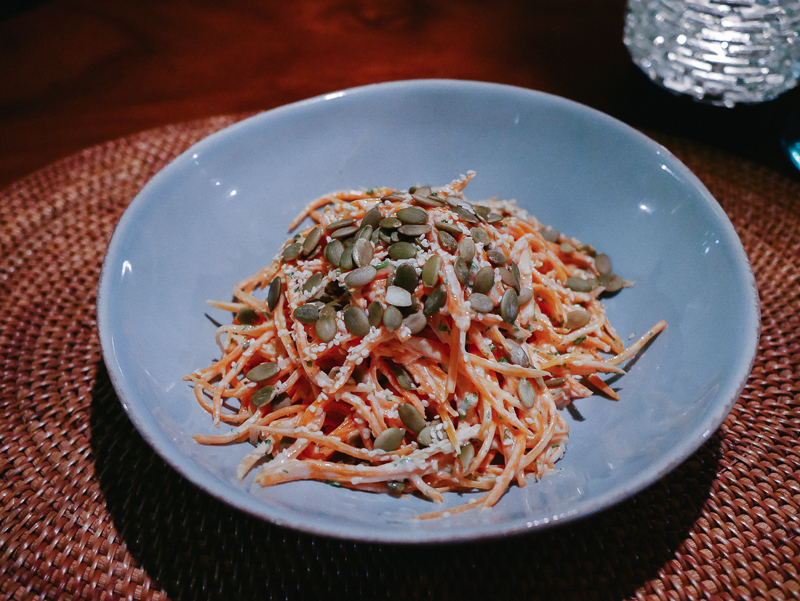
(220, 211)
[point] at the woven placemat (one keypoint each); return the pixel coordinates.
(89, 511)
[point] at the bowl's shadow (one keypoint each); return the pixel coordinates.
(194, 546)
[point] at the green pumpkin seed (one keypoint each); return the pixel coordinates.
(435, 301)
(466, 455)
(430, 272)
(550, 234)
(396, 488)
(402, 250)
(375, 238)
(375, 314)
(330, 309)
(412, 215)
(339, 224)
(447, 242)
(580, 285)
(415, 230)
(394, 236)
(416, 322)
(479, 235)
(462, 271)
(411, 417)
(516, 354)
(566, 248)
(364, 232)
(274, 293)
(390, 223)
(448, 227)
(494, 218)
(507, 277)
(466, 249)
(480, 302)
(372, 217)
(526, 393)
(389, 439)
(346, 260)
(393, 197)
(611, 282)
(577, 318)
(496, 257)
(484, 280)
(307, 313)
(425, 436)
(398, 297)
(312, 282)
(525, 296)
(326, 327)
(356, 321)
(362, 252)
(392, 318)
(509, 306)
(426, 200)
(262, 396)
(291, 252)
(465, 214)
(313, 238)
(554, 382)
(247, 316)
(360, 277)
(602, 263)
(481, 211)
(404, 379)
(344, 232)
(333, 252)
(406, 277)
(262, 372)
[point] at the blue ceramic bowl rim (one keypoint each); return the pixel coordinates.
(148, 427)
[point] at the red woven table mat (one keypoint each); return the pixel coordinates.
(89, 511)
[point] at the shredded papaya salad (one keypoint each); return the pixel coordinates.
(412, 342)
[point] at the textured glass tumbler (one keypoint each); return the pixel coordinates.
(724, 52)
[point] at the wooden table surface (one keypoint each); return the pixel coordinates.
(80, 72)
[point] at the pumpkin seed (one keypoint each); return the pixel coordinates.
(567, 248)
(330, 309)
(333, 252)
(274, 293)
(392, 318)
(406, 277)
(426, 200)
(360, 277)
(466, 455)
(383, 237)
(414, 230)
(580, 285)
(516, 354)
(326, 327)
(496, 257)
(262, 372)
(465, 214)
(550, 234)
(339, 224)
(481, 211)
(291, 252)
(346, 260)
(525, 296)
(403, 377)
(480, 302)
(430, 272)
(307, 313)
(479, 235)
(466, 249)
(247, 316)
(390, 223)
(526, 393)
(447, 241)
(396, 488)
(416, 322)
(611, 282)
(425, 190)
(262, 396)
(364, 232)
(348, 242)
(509, 306)
(356, 321)
(375, 314)
(372, 217)
(554, 382)
(448, 227)
(402, 250)
(577, 318)
(394, 236)
(411, 417)
(363, 252)
(312, 282)
(313, 238)
(399, 297)
(389, 439)
(375, 238)
(484, 280)
(462, 271)
(344, 232)
(603, 263)
(425, 436)
(412, 215)
(393, 197)
(435, 301)
(494, 218)
(507, 277)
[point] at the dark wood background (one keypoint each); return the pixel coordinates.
(74, 73)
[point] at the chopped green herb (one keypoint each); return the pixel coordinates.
(333, 483)
(579, 340)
